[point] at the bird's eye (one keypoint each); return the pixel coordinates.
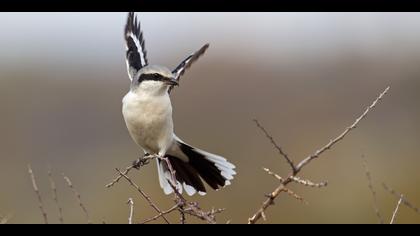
(156, 75)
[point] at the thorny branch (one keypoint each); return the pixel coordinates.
(136, 164)
(181, 204)
(183, 219)
(298, 180)
(55, 197)
(35, 186)
(145, 196)
(78, 197)
(190, 208)
(260, 213)
(279, 149)
(160, 215)
(400, 196)
(309, 183)
(372, 190)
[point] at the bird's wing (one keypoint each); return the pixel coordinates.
(187, 62)
(136, 56)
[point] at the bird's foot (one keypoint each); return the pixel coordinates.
(144, 160)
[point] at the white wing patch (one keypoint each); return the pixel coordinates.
(140, 49)
(136, 54)
(187, 62)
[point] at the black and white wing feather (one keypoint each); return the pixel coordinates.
(187, 62)
(136, 55)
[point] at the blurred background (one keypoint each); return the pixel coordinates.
(305, 76)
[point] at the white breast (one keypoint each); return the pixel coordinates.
(149, 120)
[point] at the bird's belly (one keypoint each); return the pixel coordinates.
(149, 123)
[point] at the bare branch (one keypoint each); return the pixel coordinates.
(372, 190)
(279, 149)
(270, 199)
(183, 219)
(160, 215)
(114, 181)
(55, 197)
(278, 177)
(78, 197)
(174, 184)
(136, 165)
(294, 195)
(182, 205)
(342, 135)
(396, 210)
(185, 207)
(131, 205)
(145, 196)
(194, 210)
(399, 195)
(35, 186)
(309, 183)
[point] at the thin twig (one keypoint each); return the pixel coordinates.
(116, 179)
(404, 200)
(160, 215)
(130, 216)
(372, 190)
(182, 205)
(183, 219)
(78, 197)
(55, 197)
(309, 183)
(278, 177)
(394, 214)
(296, 179)
(185, 207)
(173, 175)
(35, 186)
(279, 149)
(270, 200)
(194, 210)
(342, 135)
(136, 165)
(294, 195)
(148, 199)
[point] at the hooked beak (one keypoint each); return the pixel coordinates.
(172, 82)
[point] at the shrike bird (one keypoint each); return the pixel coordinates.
(147, 112)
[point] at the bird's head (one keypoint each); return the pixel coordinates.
(153, 79)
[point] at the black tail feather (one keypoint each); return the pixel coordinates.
(192, 166)
(185, 173)
(205, 168)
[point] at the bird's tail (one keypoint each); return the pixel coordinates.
(193, 165)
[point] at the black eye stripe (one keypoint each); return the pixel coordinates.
(154, 77)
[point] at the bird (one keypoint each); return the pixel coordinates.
(147, 112)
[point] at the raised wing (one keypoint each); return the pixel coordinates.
(136, 55)
(187, 62)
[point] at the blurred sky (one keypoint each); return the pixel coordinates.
(305, 76)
